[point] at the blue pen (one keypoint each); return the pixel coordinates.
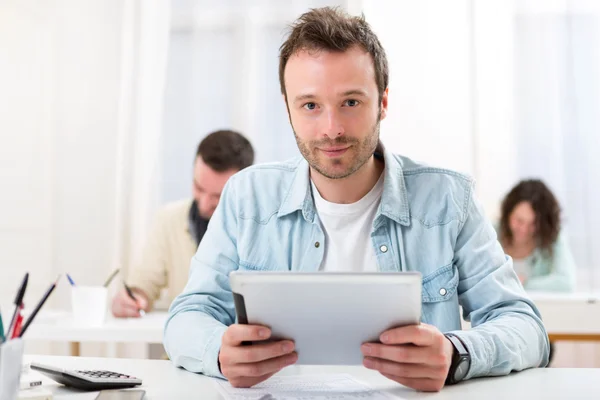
(70, 280)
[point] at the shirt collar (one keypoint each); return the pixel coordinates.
(394, 200)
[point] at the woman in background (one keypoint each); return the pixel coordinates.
(529, 232)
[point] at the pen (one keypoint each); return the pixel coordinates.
(130, 294)
(70, 280)
(18, 301)
(111, 277)
(2, 336)
(17, 328)
(38, 307)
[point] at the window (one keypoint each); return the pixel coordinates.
(223, 73)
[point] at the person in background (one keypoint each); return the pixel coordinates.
(529, 232)
(180, 226)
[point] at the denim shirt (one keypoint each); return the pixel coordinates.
(428, 221)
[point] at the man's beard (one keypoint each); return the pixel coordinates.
(363, 150)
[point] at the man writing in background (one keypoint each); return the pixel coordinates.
(180, 226)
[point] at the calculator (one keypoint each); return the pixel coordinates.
(88, 379)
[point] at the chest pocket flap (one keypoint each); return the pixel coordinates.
(440, 285)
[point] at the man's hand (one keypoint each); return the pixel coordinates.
(417, 356)
(247, 365)
(124, 307)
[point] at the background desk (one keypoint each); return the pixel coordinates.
(570, 316)
(567, 316)
(59, 326)
(163, 381)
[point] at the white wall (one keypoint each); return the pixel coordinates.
(26, 153)
(58, 128)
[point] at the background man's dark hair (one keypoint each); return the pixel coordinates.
(332, 29)
(225, 150)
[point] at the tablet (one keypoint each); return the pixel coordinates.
(327, 315)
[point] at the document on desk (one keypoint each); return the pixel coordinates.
(304, 387)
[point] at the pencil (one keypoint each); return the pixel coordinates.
(111, 277)
(130, 294)
(38, 307)
(18, 301)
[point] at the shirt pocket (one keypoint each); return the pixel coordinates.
(247, 266)
(262, 266)
(440, 298)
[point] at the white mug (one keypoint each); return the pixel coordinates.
(89, 305)
(11, 360)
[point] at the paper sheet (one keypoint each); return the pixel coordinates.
(304, 387)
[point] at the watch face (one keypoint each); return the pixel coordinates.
(461, 370)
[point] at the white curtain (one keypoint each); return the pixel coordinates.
(222, 73)
(145, 44)
(551, 106)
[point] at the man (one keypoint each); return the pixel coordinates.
(351, 205)
(180, 226)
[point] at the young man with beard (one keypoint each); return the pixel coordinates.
(351, 205)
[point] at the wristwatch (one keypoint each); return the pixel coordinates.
(461, 360)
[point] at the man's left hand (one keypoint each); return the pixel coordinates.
(417, 356)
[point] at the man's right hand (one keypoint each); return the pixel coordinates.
(124, 307)
(248, 365)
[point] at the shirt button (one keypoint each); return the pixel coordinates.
(317, 244)
(443, 291)
(383, 248)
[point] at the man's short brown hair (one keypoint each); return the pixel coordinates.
(331, 29)
(225, 150)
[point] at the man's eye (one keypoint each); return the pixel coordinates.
(310, 106)
(351, 103)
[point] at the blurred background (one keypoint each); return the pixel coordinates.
(103, 102)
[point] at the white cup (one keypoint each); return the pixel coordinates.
(89, 305)
(11, 358)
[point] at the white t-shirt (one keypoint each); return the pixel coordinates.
(348, 246)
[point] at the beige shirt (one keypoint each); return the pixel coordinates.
(166, 257)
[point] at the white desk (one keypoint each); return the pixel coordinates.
(567, 316)
(163, 381)
(573, 317)
(59, 326)
(570, 316)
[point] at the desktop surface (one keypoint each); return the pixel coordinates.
(161, 380)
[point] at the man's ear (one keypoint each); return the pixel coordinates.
(384, 104)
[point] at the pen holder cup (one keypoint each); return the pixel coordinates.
(89, 305)
(11, 360)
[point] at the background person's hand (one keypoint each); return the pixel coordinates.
(417, 356)
(124, 306)
(248, 365)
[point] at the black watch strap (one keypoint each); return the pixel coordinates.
(461, 360)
